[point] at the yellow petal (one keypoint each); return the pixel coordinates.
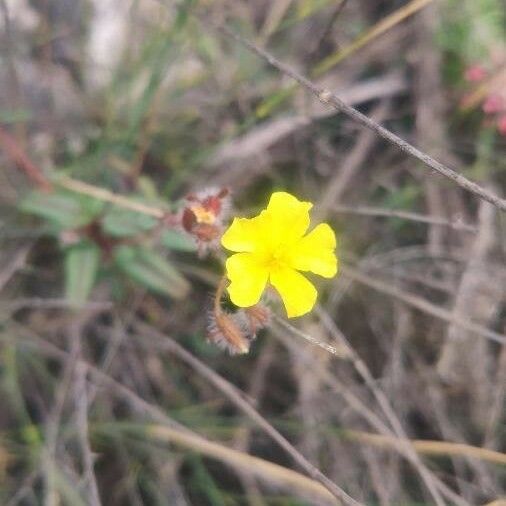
(248, 279)
(245, 235)
(289, 218)
(315, 252)
(297, 293)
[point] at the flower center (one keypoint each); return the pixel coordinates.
(203, 215)
(275, 259)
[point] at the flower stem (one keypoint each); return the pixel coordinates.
(218, 295)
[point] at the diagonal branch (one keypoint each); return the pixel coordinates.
(327, 97)
(236, 397)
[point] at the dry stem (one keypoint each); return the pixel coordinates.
(328, 98)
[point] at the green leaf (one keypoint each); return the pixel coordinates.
(81, 266)
(152, 271)
(183, 13)
(62, 210)
(147, 187)
(178, 241)
(267, 106)
(15, 116)
(124, 223)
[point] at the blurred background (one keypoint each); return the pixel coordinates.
(112, 112)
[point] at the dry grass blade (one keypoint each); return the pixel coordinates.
(405, 215)
(428, 447)
(383, 26)
(24, 336)
(260, 468)
(434, 485)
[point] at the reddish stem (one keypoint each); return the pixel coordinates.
(21, 159)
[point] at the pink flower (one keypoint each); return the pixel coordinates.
(493, 104)
(475, 73)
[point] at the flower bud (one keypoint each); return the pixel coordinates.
(225, 331)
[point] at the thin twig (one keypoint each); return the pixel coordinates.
(108, 196)
(55, 416)
(235, 396)
(363, 409)
(124, 392)
(354, 161)
(334, 350)
(422, 446)
(25, 489)
(345, 350)
(34, 172)
(242, 436)
(461, 352)
(81, 410)
(405, 215)
(327, 97)
(399, 444)
(385, 405)
(328, 27)
(18, 156)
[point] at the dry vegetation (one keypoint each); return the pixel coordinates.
(391, 392)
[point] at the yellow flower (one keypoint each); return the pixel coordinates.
(272, 247)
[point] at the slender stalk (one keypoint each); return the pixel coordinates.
(405, 215)
(219, 294)
(108, 196)
(18, 156)
(334, 350)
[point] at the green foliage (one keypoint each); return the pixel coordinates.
(204, 483)
(75, 217)
(62, 210)
(402, 198)
(15, 116)
(177, 241)
(125, 223)
(81, 266)
(470, 29)
(151, 270)
(274, 101)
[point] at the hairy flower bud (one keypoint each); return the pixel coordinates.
(203, 216)
(226, 331)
